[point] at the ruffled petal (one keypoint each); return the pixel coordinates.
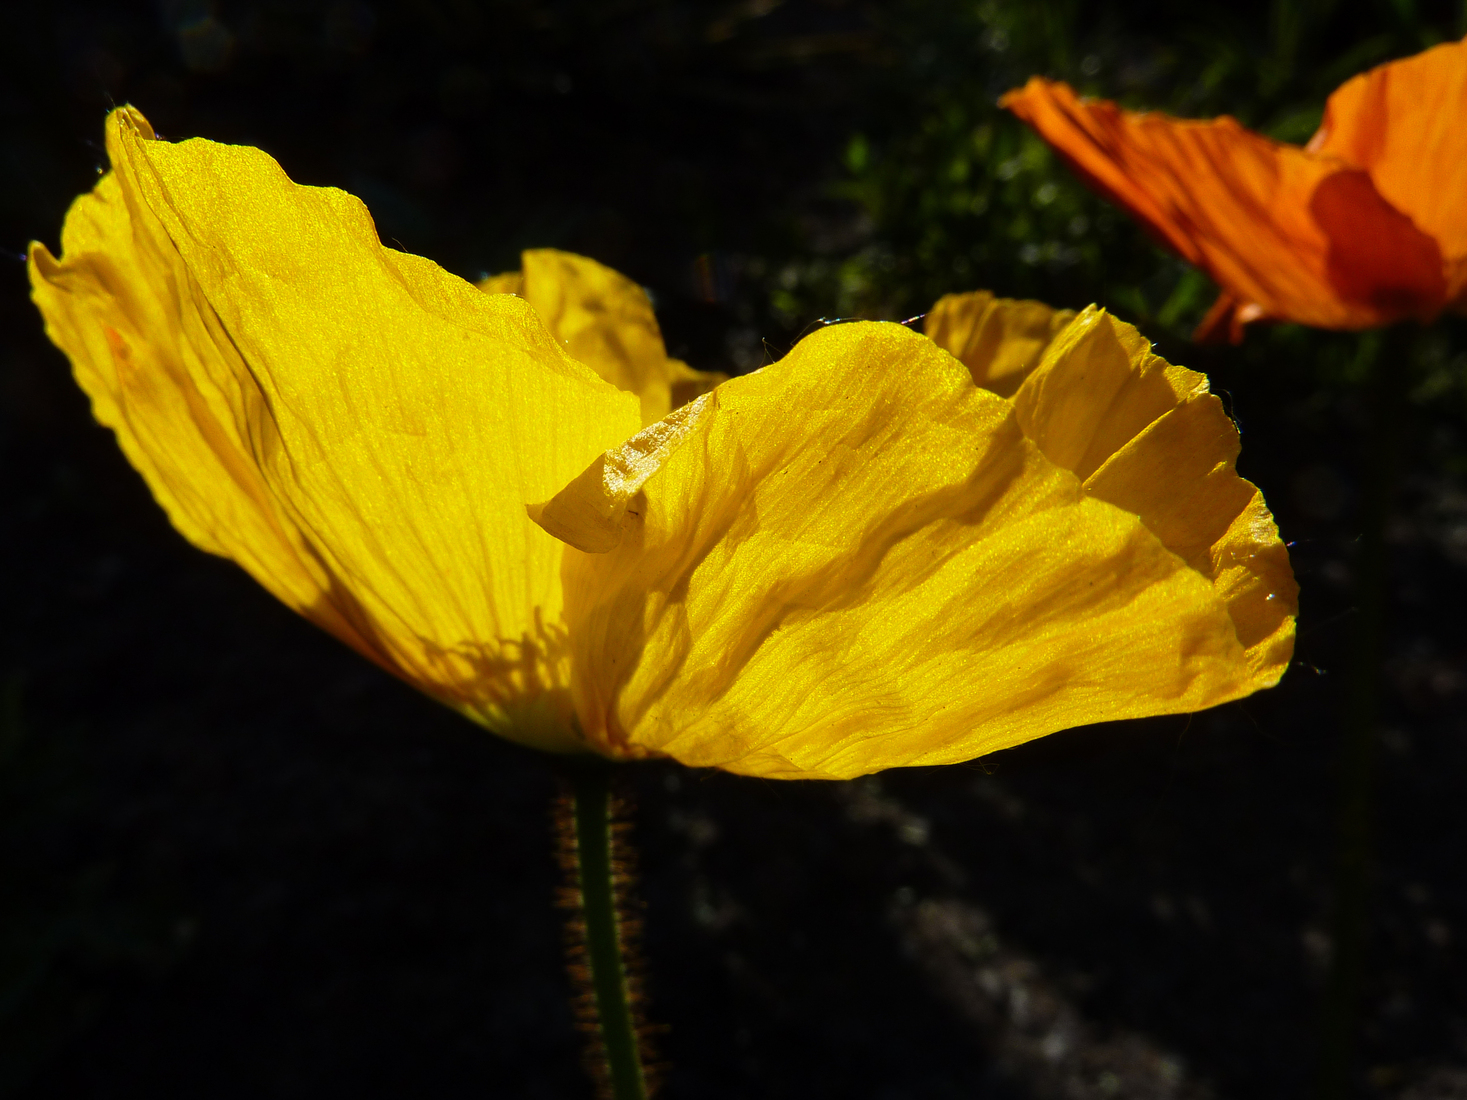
(356, 427)
(1406, 124)
(1148, 437)
(605, 320)
(999, 340)
(854, 559)
(1288, 234)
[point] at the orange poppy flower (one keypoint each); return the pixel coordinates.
(1364, 226)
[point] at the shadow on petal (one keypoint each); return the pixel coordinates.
(1377, 256)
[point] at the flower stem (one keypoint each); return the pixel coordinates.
(1360, 720)
(600, 944)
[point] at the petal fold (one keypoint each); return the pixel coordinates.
(355, 426)
(589, 512)
(854, 559)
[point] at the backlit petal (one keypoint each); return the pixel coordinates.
(1406, 124)
(605, 321)
(506, 282)
(1288, 234)
(999, 340)
(1148, 437)
(356, 427)
(854, 559)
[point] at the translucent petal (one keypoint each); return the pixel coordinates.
(605, 321)
(506, 282)
(854, 559)
(1288, 234)
(999, 340)
(1406, 124)
(1148, 437)
(356, 427)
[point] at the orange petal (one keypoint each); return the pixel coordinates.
(1406, 124)
(1222, 323)
(1376, 254)
(1290, 235)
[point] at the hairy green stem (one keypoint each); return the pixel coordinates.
(605, 936)
(1360, 718)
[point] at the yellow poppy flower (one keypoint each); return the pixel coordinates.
(853, 559)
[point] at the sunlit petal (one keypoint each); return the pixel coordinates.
(854, 559)
(1288, 234)
(356, 427)
(605, 321)
(999, 340)
(1148, 437)
(1406, 124)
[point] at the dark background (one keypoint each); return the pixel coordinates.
(236, 860)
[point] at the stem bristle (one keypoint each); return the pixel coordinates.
(627, 906)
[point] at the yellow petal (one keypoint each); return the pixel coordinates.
(588, 512)
(854, 559)
(356, 427)
(605, 321)
(1149, 437)
(999, 340)
(507, 282)
(1097, 386)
